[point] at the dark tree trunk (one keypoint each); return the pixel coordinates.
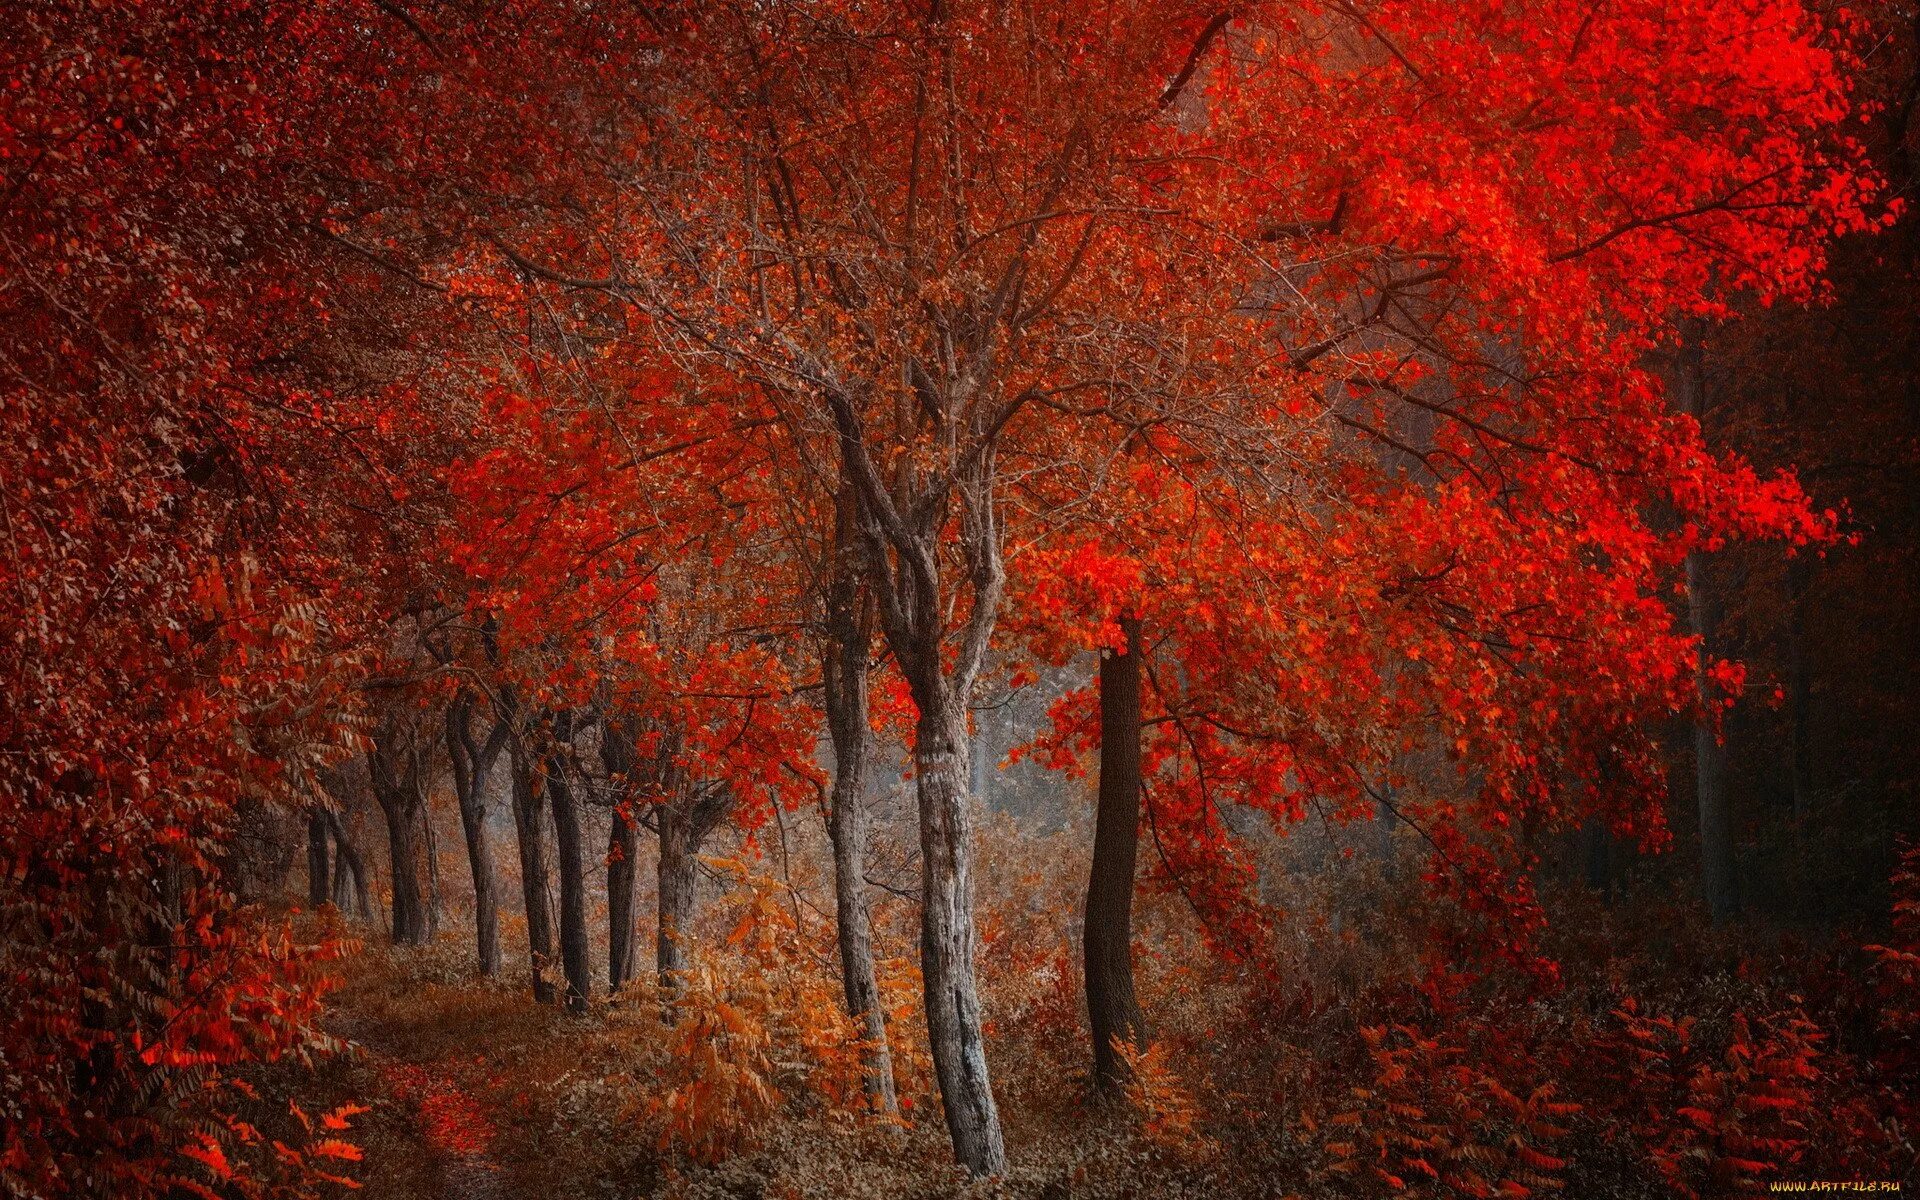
(675, 886)
(1598, 840)
(1800, 683)
(1384, 819)
(394, 764)
(430, 851)
(350, 890)
(472, 762)
(533, 872)
(1112, 1008)
(1717, 866)
(622, 845)
(409, 910)
(572, 865)
(317, 880)
(844, 671)
(616, 753)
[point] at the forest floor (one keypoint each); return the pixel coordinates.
(433, 1062)
(473, 1091)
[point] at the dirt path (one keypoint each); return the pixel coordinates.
(439, 1140)
(452, 1127)
(468, 1082)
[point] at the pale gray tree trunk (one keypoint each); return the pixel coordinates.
(903, 528)
(685, 819)
(947, 940)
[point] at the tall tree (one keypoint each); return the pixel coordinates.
(844, 677)
(396, 767)
(351, 891)
(570, 861)
(1107, 938)
(617, 755)
(530, 836)
(1714, 806)
(473, 761)
(318, 880)
(687, 814)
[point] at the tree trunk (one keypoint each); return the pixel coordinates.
(1800, 683)
(430, 849)
(317, 880)
(947, 937)
(1384, 819)
(694, 810)
(1598, 844)
(395, 771)
(622, 845)
(844, 672)
(409, 913)
(1107, 933)
(616, 754)
(572, 864)
(1717, 868)
(471, 764)
(902, 524)
(533, 873)
(676, 884)
(350, 890)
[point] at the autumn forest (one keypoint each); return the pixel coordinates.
(773, 599)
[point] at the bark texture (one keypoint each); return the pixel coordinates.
(350, 890)
(527, 815)
(570, 853)
(947, 941)
(844, 672)
(685, 820)
(395, 767)
(317, 880)
(473, 761)
(1113, 1010)
(617, 755)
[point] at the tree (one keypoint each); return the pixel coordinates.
(528, 823)
(1107, 937)
(398, 768)
(318, 880)
(1718, 877)
(623, 843)
(1320, 261)
(472, 762)
(844, 669)
(571, 861)
(350, 889)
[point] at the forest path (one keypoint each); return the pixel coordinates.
(453, 1127)
(439, 1134)
(435, 1057)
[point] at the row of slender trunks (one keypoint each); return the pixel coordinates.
(548, 786)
